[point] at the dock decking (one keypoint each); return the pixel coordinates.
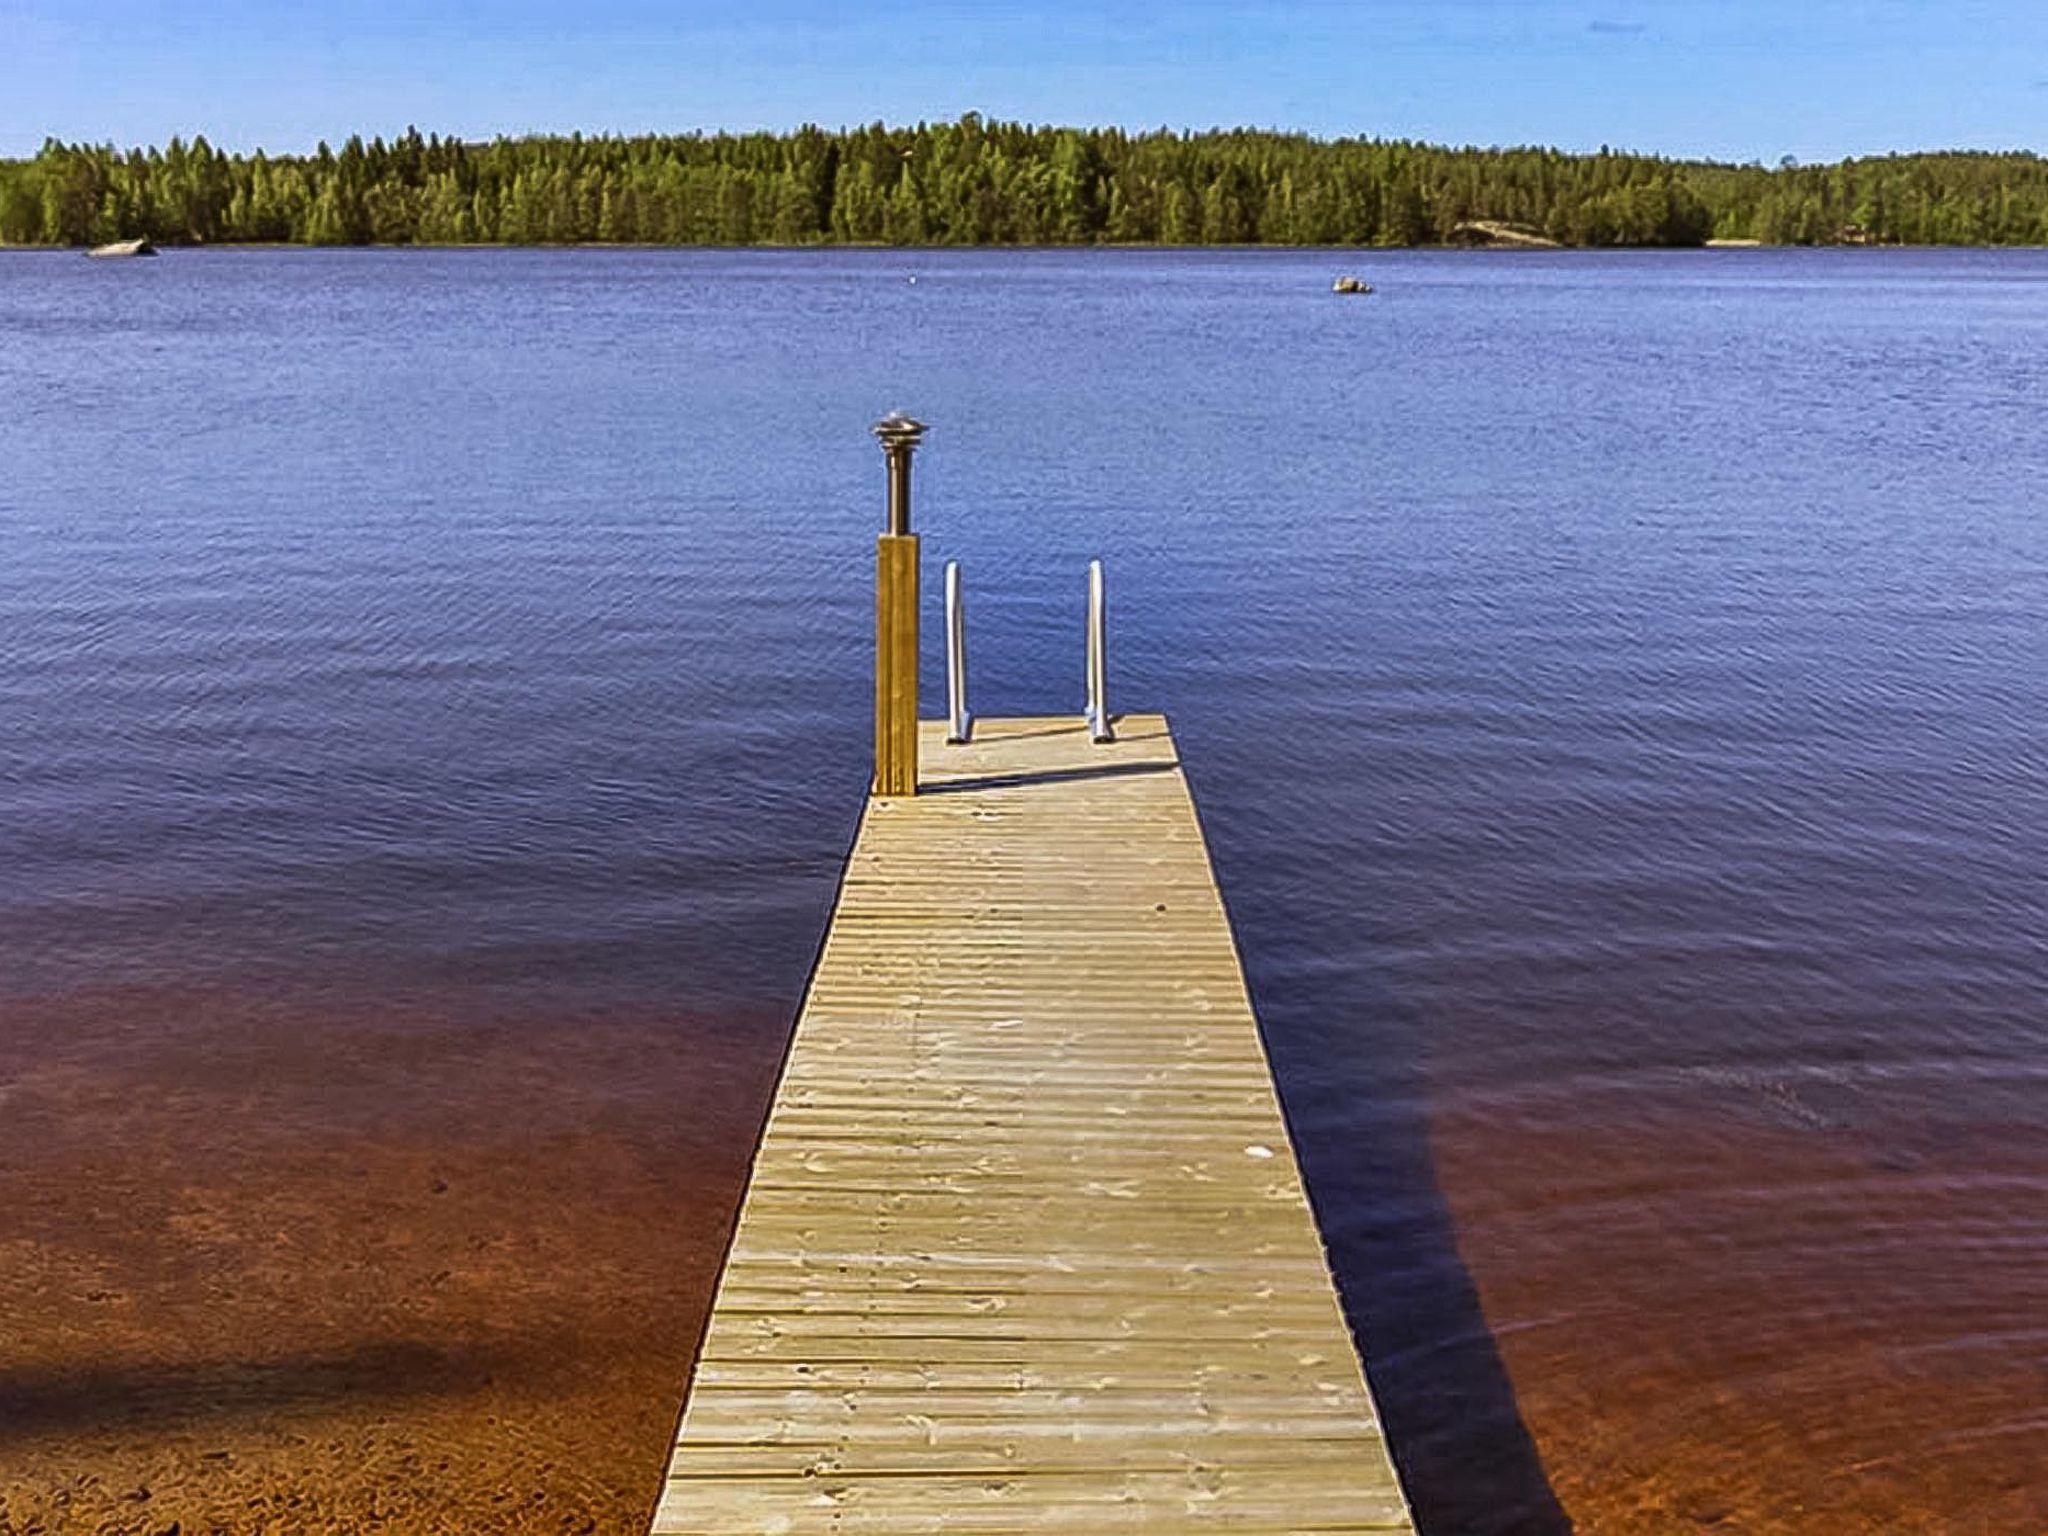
(1026, 1247)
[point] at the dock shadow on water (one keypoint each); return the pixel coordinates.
(1356, 1108)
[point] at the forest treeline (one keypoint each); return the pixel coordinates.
(989, 183)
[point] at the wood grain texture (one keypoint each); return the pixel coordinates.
(896, 723)
(1026, 1247)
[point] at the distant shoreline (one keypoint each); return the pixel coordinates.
(976, 183)
(1361, 252)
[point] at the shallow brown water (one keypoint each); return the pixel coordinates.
(1705, 1320)
(298, 1271)
(285, 1271)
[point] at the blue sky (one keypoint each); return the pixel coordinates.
(1738, 79)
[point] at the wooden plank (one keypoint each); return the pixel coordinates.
(1026, 1246)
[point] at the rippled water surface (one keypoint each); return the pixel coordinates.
(433, 707)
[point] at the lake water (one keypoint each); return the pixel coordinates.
(433, 706)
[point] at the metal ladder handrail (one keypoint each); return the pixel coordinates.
(1100, 730)
(960, 721)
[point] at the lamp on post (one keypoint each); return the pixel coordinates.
(896, 568)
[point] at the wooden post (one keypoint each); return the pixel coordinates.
(896, 664)
(896, 602)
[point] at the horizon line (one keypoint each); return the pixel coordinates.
(1467, 146)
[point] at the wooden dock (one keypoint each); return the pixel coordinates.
(1026, 1247)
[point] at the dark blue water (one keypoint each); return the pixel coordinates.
(1614, 688)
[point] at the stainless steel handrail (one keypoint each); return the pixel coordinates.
(959, 723)
(1099, 728)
